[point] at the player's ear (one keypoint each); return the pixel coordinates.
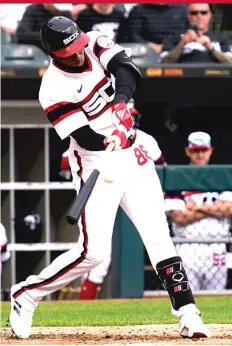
(187, 153)
(211, 150)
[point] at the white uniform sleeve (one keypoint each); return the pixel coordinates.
(103, 47)
(174, 204)
(150, 144)
(65, 153)
(64, 114)
(5, 254)
(226, 196)
(174, 201)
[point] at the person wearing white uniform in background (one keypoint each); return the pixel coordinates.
(81, 103)
(10, 16)
(94, 279)
(5, 253)
(201, 214)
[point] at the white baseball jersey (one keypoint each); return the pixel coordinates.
(149, 143)
(5, 254)
(209, 227)
(205, 264)
(72, 101)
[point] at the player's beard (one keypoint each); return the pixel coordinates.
(76, 60)
(74, 63)
(80, 62)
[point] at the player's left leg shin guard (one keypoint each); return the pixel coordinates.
(174, 279)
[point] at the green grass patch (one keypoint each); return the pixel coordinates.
(121, 312)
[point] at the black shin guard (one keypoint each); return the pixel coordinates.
(174, 279)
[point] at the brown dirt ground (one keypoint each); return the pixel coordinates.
(162, 334)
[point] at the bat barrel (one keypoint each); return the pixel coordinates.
(82, 198)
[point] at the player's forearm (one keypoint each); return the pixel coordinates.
(125, 84)
(221, 56)
(174, 55)
(219, 209)
(161, 161)
(89, 139)
(183, 218)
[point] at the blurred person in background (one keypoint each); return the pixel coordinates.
(103, 18)
(198, 43)
(65, 170)
(154, 23)
(125, 8)
(202, 215)
(229, 266)
(28, 31)
(10, 16)
(77, 10)
(224, 12)
(5, 254)
(123, 36)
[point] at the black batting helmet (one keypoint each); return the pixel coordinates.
(62, 37)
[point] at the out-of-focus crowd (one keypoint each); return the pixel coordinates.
(175, 33)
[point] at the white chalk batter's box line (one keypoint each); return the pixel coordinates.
(142, 344)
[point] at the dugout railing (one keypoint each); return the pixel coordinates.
(33, 176)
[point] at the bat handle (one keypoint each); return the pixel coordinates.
(110, 147)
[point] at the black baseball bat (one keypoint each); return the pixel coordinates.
(82, 198)
(84, 194)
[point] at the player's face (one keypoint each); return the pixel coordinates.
(199, 14)
(74, 60)
(105, 8)
(199, 156)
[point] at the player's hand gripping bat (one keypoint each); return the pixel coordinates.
(85, 192)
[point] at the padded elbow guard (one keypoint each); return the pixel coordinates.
(174, 279)
(122, 59)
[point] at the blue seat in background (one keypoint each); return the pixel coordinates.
(25, 56)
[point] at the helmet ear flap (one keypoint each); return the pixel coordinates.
(52, 55)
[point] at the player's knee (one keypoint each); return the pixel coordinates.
(95, 257)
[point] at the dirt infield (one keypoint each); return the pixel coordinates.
(162, 334)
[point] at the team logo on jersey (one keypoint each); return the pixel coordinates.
(99, 99)
(105, 42)
(79, 89)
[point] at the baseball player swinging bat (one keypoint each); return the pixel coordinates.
(85, 192)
